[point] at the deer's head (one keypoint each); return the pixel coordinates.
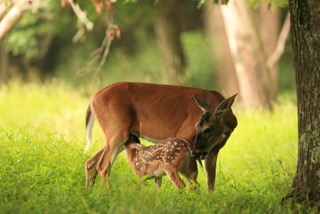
(210, 129)
(132, 145)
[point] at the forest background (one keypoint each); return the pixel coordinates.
(52, 62)
(49, 42)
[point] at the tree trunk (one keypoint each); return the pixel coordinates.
(269, 26)
(247, 51)
(222, 58)
(4, 63)
(168, 38)
(305, 31)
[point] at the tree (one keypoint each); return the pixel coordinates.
(305, 32)
(265, 31)
(246, 48)
(168, 37)
(221, 55)
(10, 14)
(166, 23)
(32, 33)
(269, 25)
(34, 37)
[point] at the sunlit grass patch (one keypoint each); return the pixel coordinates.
(42, 137)
(33, 107)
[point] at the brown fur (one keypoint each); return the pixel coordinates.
(154, 112)
(169, 157)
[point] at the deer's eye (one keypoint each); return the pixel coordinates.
(207, 130)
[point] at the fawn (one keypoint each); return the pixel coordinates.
(170, 156)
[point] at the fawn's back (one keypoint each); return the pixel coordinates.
(170, 157)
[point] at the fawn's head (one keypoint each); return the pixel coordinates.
(210, 129)
(132, 144)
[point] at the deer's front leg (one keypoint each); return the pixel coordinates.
(210, 166)
(90, 168)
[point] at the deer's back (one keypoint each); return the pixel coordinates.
(158, 111)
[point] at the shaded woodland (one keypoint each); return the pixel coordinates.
(178, 43)
(242, 46)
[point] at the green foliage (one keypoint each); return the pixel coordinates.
(26, 35)
(145, 66)
(200, 67)
(135, 57)
(47, 21)
(42, 139)
(280, 3)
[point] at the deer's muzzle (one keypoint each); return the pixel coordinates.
(199, 149)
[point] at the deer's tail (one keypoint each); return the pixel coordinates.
(89, 126)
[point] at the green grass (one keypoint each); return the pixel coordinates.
(42, 138)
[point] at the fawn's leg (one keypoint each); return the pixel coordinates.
(174, 177)
(158, 182)
(190, 172)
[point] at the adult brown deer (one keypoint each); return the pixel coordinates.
(168, 157)
(156, 112)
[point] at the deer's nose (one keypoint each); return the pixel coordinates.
(195, 154)
(198, 154)
(203, 156)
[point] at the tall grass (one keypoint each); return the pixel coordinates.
(42, 161)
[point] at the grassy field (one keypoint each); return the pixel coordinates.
(42, 138)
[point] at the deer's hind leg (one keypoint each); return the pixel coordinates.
(90, 168)
(114, 145)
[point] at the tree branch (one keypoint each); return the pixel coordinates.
(111, 32)
(82, 15)
(275, 56)
(105, 46)
(4, 8)
(11, 16)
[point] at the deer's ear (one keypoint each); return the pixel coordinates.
(202, 104)
(225, 105)
(138, 146)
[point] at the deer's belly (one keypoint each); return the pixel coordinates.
(158, 173)
(152, 169)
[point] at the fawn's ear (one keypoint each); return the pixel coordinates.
(137, 146)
